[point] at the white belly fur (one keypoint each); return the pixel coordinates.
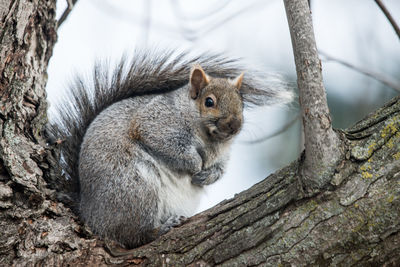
(177, 195)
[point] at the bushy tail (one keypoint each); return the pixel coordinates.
(145, 73)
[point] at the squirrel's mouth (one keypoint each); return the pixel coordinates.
(224, 129)
(216, 134)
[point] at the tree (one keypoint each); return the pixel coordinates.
(351, 216)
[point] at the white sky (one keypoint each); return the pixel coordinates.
(255, 30)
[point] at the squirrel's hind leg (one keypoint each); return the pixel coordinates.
(117, 251)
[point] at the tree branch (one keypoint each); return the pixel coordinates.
(376, 76)
(71, 4)
(279, 131)
(321, 142)
(389, 17)
(271, 224)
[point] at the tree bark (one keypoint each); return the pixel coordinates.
(27, 37)
(322, 145)
(356, 220)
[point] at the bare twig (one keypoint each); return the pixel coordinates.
(194, 34)
(379, 77)
(124, 14)
(389, 17)
(273, 134)
(322, 145)
(71, 4)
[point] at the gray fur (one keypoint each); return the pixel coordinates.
(138, 148)
(131, 189)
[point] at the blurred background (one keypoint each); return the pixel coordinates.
(353, 31)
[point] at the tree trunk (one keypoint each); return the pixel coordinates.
(355, 221)
(26, 41)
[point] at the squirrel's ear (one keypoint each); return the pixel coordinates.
(237, 82)
(198, 80)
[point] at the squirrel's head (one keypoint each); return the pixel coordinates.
(219, 102)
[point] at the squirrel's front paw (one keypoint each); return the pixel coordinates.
(207, 176)
(199, 178)
(195, 168)
(193, 162)
(204, 177)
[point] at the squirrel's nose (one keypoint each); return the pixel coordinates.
(230, 124)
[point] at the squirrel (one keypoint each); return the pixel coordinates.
(140, 143)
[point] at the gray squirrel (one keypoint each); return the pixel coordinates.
(138, 145)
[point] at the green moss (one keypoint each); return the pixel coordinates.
(365, 152)
(390, 144)
(371, 148)
(387, 136)
(390, 129)
(390, 198)
(311, 205)
(366, 166)
(366, 175)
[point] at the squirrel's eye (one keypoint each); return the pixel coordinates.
(209, 102)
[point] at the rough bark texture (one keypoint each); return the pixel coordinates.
(27, 37)
(355, 221)
(322, 145)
